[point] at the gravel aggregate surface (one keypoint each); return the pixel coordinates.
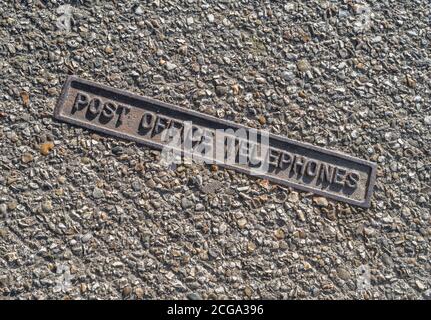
(86, 216)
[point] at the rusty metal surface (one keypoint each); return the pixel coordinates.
(132, 117)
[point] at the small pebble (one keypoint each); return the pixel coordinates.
(321, 201)
(251, 246)
(46, 147)
(248, 291)
(420, 285)
(170, 66)
(242, 223)
(186, 203)
(97, 193)
(12, 205)
(127, 291)
(139, 292)
(343, 273)
(139, 10)
(3, 208)
(199, 207)
(279, 234)
(47, 206)
(303, 65)
(136, 186)
(194, 296)
(293, 197)
(27, 157)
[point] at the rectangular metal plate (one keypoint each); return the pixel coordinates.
(137, 118)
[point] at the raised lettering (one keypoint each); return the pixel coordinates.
(326, 173)
(254, 158)
(339, 176)
(285, 160)
(352, 180)
(121, 111)
(312, 168)
(146, 123)
(273, 157)
(94, 108)
(161, 124)
(243, 151)
(81, 102)
(298, 165)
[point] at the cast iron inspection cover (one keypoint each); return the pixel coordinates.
(157, 124)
